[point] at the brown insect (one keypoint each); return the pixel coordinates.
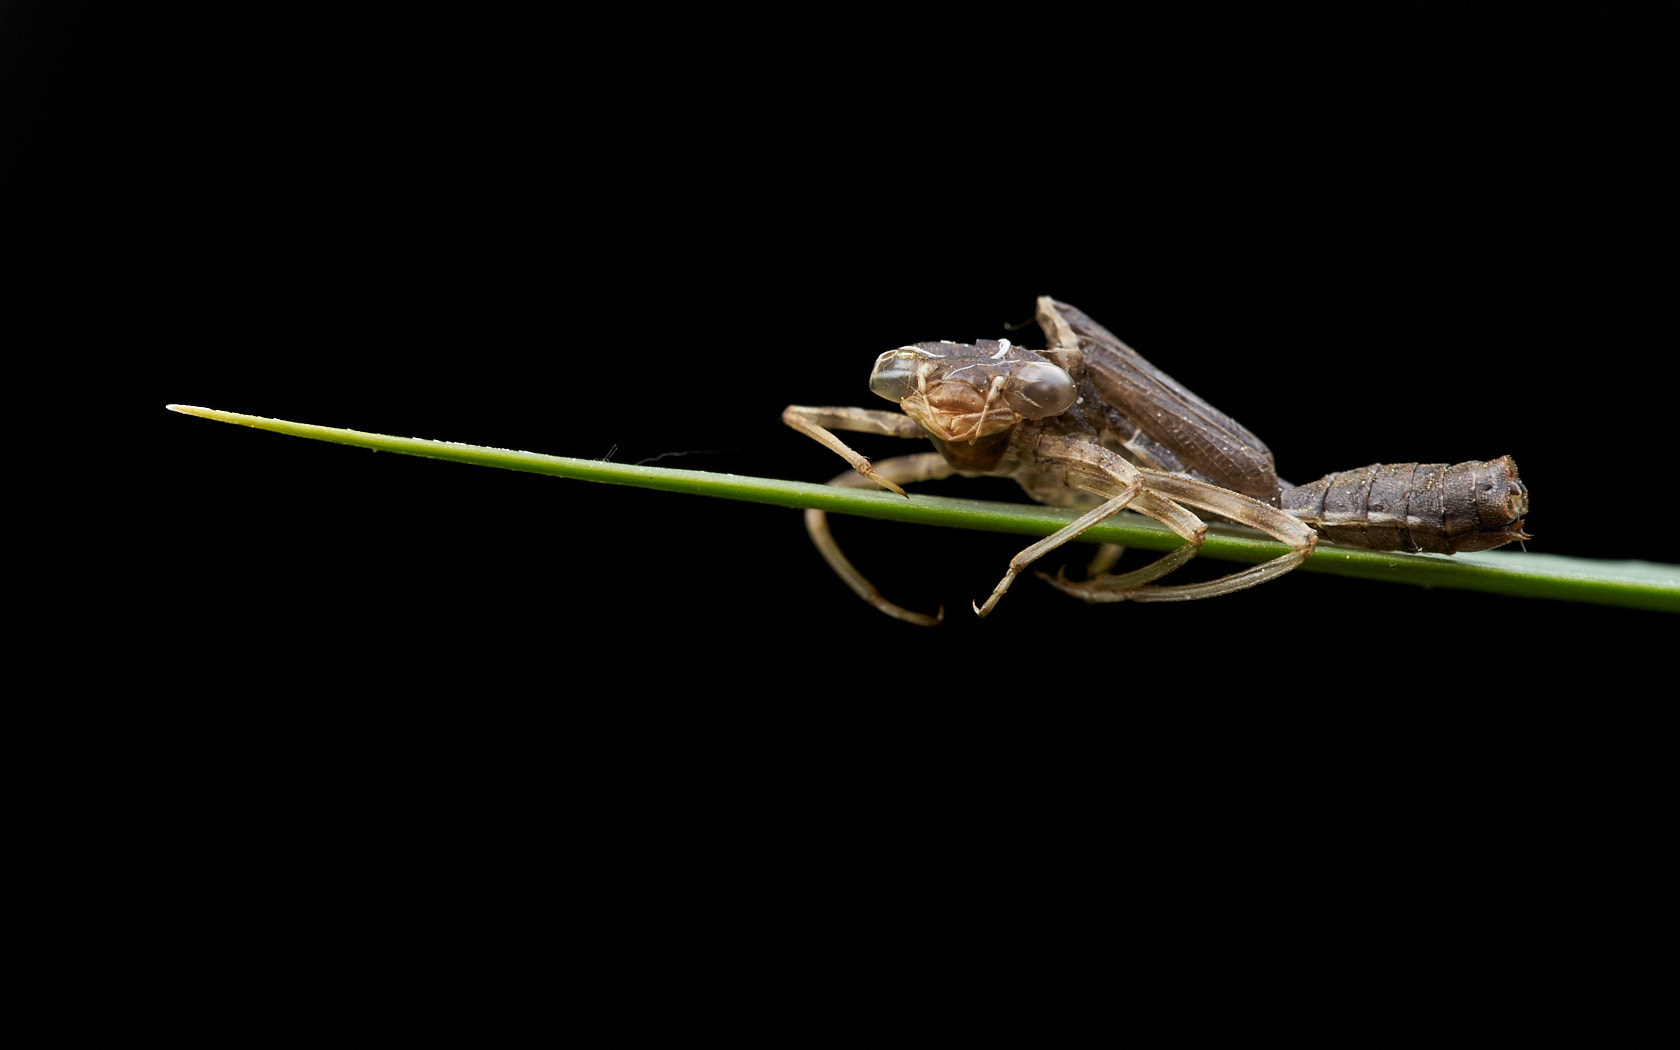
(1089, 422)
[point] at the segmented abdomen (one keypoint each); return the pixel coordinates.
(1416, 506)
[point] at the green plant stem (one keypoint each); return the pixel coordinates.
(1633, 584)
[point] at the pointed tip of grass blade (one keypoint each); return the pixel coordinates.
(222, 415)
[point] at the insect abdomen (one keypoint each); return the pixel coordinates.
(1415, 507)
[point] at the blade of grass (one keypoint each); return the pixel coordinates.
(1633, 584)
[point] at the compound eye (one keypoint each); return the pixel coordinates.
(894, 377)
(1039, 390)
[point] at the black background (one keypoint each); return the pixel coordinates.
(643, 241)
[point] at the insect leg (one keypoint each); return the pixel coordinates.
(1227, 504)
(1049, 543)
(1099, 586)
(926, 466)
(1049, 464)
(1102, 561)
(815, 423)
